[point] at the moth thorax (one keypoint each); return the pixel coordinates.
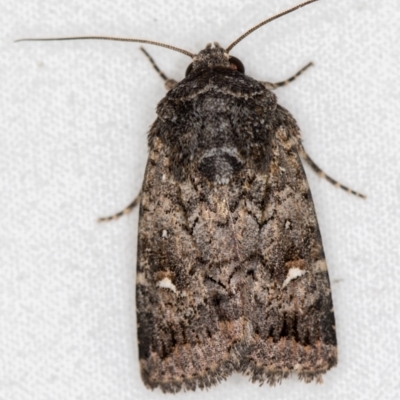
(220, 164)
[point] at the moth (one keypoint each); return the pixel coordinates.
(231, 272)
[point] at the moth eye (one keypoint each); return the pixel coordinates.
(236, 64)
(189, 69)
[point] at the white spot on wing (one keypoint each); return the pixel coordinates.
(320, 266)
(293, 273)
(141, 279)
(166, 283)
(164, 233)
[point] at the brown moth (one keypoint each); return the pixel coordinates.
(231, 273)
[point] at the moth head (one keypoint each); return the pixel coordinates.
(214, 56)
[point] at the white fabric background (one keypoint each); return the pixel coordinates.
(73, 123)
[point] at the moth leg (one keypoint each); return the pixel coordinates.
(272, 86)
(169, 83)
(322, 174)
(125, 211)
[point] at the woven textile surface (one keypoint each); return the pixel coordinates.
(73, 124)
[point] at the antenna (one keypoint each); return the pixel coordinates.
(230, 47)
(118, 39)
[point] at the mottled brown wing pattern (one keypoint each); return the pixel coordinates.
(231, 271)
(232, 280)
(291, 308)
